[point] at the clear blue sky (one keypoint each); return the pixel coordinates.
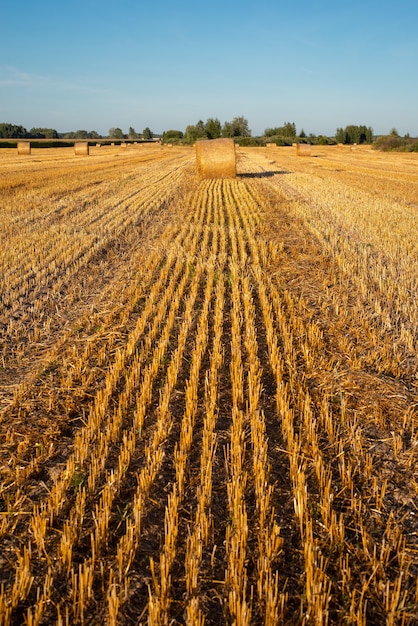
(322, 64)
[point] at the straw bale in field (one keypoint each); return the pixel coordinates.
(215, 158)
(303, 149)
(270, 145)
(23, 147)
(124, 145)
(81, 148)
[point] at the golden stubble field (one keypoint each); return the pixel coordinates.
(208, 389)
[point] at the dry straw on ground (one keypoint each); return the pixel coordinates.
(303, 149)
(81, 148)
(216, 420)
(215, 158)
(23, 147)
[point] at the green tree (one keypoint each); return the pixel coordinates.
(116, 133)
(354, 134)
(201, 128)
(195, 131)
(341, 136)
(169, 135)
(238, 127)
(191, 133)
(287, 130)
(12, 131)
(132, 134)
(147, 134)
(44, 133)
(213, 128)
(369, 135)
(76, 134)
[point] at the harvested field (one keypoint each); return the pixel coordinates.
(208, 388)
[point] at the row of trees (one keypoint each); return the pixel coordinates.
(213, 129)
(281, 135)
(354, 134)
(395, 142)
(117, 133)
(13, 131)
(287, 130)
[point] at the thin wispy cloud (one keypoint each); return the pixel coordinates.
(15, 77)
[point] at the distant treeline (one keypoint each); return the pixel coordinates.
(394, 142)
(13, 131)
(237, 128)
(285, 135)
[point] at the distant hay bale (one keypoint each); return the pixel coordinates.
(303, 149)
(124, 145)
(271, 145)
(81, 148)
(23, 147)
(215, 158)
(98, 145)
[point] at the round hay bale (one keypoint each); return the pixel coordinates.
(81, 148)
(303, 149)
(271, 145)
(124, 145)
(23, 147)
(215, 158)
